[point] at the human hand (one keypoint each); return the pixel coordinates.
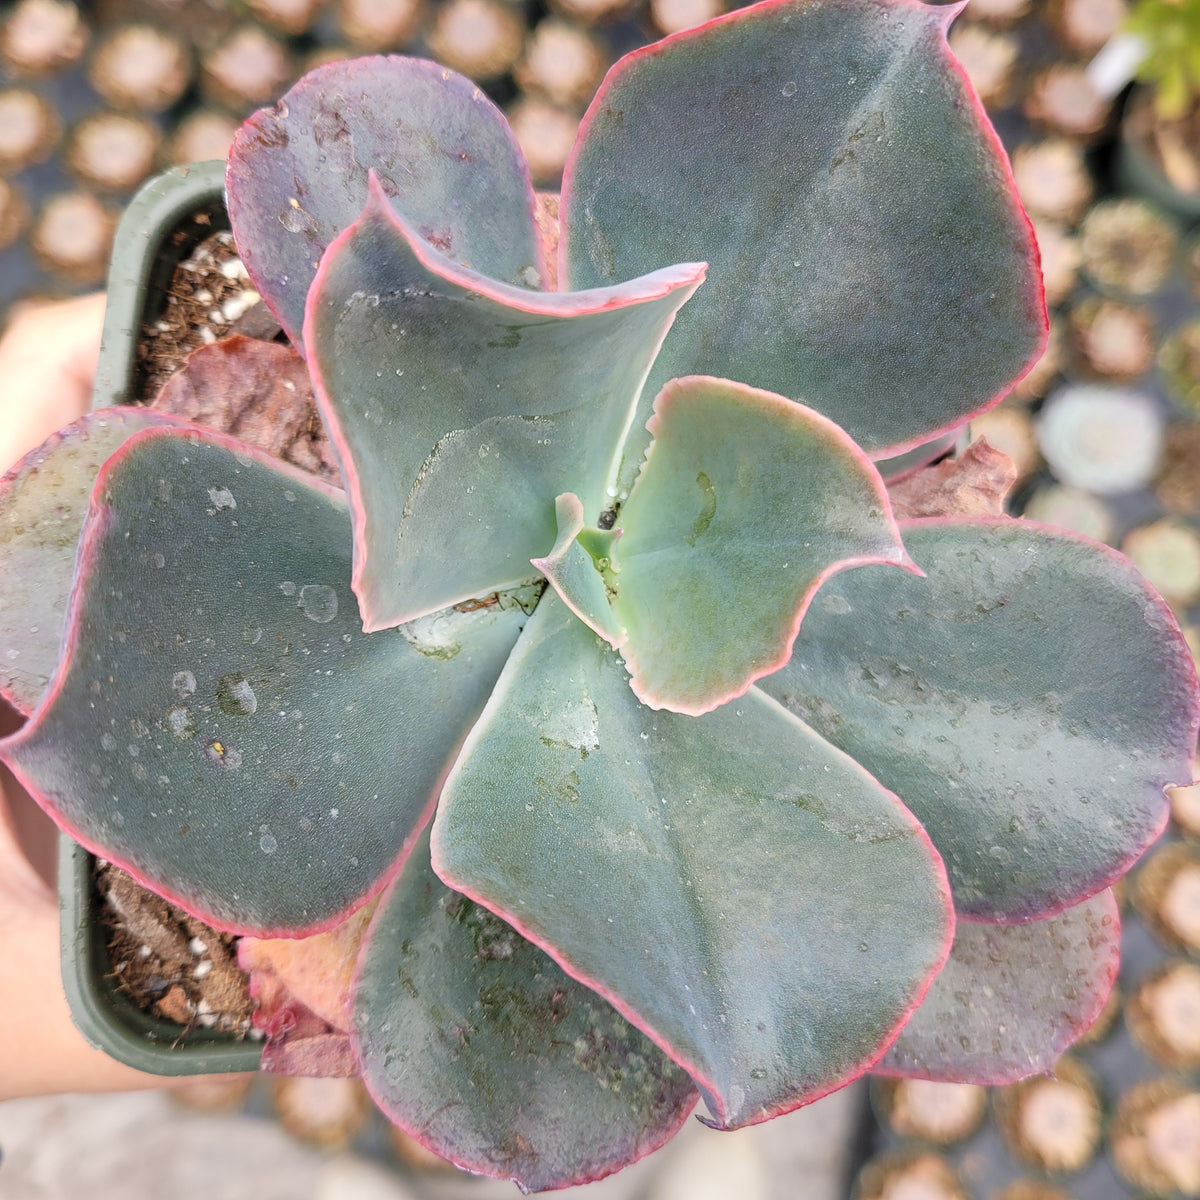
(47, 366)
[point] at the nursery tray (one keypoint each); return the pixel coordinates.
(150, 243)
(984, 1162)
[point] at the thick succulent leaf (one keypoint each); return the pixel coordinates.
(219, 724)
(575, 575)
(881, 270)
(1012, 998)
(477, 1043)
(462, 407)
(297, 174)
(1029, 700)
(745, 503)
(740, 890)
(43, 501)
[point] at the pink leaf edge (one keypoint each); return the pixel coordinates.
(32, 460)
(485, 1166)
(249, 134)
(1044, 1062)
(944, 15)
(797, 413)
(1170, 624)
(550, 304)
(93, 532)
(712, 1094)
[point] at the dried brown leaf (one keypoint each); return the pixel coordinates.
(975, 484)
(257, 391)
(315, 972)
(545, 217)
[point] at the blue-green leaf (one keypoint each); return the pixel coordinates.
(462, 407)
(1028, 700)
(745, 503)
(43, 501)
(1012, 998)
(443, 152)
(478, 1044)
(578, 578)
(868, 253)
(740, 890)
(219, 725)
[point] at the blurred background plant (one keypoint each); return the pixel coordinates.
(1160, 130)
(1170, 30)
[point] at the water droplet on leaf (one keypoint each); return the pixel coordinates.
(221, 755)
(319, 602)
(236, 697)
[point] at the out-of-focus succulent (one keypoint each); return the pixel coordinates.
(1170, 31)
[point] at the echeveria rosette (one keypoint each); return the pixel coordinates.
(1029, 698)
(219, 725)
(890, 214)
(441, 150)
(771, 983)
(746, 501)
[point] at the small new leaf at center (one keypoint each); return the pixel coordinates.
(580, 568)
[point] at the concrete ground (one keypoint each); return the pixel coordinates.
(143, 1145)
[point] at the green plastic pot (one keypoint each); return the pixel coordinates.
(145, 254)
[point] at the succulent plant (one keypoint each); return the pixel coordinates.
(1170, 32)
(537, 679)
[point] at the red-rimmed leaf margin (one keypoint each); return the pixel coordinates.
(297, 174)
(883, 271)
(801, 912)
(744, 504)
(1029, 698)
(1012, 998)
(480, 1046)
(219, 725)
(43, 503)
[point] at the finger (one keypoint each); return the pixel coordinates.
(28, 837)
(47, 368)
